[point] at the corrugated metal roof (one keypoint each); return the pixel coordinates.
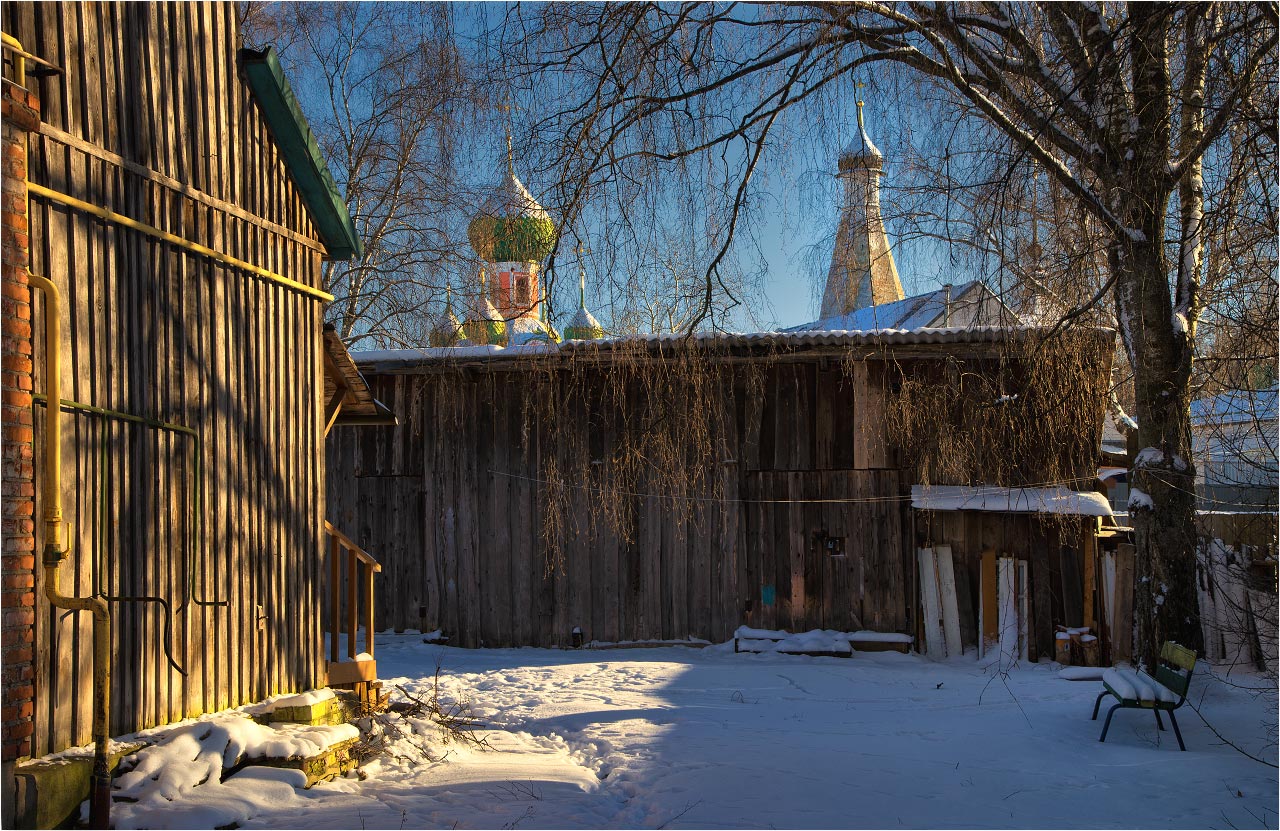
(393, 359)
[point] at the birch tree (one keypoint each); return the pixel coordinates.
(1119, 105)
(389, 92)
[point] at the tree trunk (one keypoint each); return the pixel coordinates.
(1162, 502)
(1162, 499)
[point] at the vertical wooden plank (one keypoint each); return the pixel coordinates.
(931, 605)
(824, 418)
(870, 447)
(1089, 553)
(796, 543)
(988, 620)
(947, 595)
(497, 554)
(1041, 587)
(730, 529)
(1122, 638)
(1072, 586)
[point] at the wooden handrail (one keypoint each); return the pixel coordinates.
(359, 571)
(363, 555)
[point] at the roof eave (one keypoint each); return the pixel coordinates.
(301, 153)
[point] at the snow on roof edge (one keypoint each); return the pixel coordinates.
(1054, 500)
(813, 337)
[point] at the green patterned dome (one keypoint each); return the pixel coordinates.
(512, 226)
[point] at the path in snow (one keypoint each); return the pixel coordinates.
(706, 738)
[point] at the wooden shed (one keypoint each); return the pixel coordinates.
(800, 516)
(178, 206)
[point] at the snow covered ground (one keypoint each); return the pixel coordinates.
(689, 738)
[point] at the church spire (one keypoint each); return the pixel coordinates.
(583, 326)
(862, 270)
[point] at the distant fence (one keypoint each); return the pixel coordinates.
(1238, 604)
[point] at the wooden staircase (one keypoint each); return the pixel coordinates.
(351, 604)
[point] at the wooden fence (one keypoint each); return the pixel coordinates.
(219, 522)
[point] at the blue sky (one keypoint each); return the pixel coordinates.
(794, 232)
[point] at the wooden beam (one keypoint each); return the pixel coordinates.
(367, 572)
(335, 610)
(352, 576)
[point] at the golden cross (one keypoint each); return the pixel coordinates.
(859, 85)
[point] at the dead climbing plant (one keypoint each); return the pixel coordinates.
(623, 424)
(1023, 414)
(611, 431)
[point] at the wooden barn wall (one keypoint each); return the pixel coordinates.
(150, 119)
(461, 544)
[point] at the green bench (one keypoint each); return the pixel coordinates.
(1167, 691)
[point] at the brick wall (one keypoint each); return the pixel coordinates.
(21, 113)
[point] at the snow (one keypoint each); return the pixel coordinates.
(705, 738)
(305, 699)
(1179, 323)
(1137, 686)
(176, 781)
(1055, 500)
(1148, 457)
(1081, 673)
(1140, 500)
(864, 635)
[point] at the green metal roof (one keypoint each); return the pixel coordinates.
(301, 153)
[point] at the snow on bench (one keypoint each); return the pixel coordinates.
(1137, 686)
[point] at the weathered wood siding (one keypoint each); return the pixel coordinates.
(150, 119)
(450, 503)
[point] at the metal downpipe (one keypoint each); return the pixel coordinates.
(55, 555)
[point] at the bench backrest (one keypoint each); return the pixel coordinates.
(1176, 665)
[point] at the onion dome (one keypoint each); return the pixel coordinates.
(583, 326)
(512, 227)
(861, 152)
(484, 325)
(524, 330)
(447, 330)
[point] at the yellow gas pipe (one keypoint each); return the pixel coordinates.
(55, 554)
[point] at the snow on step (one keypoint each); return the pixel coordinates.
(305, 699)
(1137, 686)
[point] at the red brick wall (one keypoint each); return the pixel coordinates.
(17, 486)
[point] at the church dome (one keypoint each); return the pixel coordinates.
(447, 330)
(511, 225)
(583, 326)
(484, 324)
(524, 330)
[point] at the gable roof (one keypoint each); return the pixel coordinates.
(301, 153)
(972, 304)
